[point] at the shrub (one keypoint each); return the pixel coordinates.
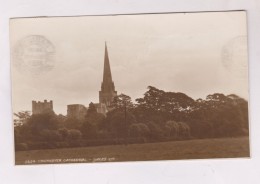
(74, 134)
(51, 135)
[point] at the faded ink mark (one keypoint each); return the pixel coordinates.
(234, 56)
(33, 55)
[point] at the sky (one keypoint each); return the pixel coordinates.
(194, 53)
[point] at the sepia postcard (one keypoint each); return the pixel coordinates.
(139, 87)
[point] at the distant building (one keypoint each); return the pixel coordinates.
(42, 107)
(106, 95)
(76, 111)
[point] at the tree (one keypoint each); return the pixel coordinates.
(74, 135)
(39, 122)
(152, 99)
(91, 108)
(119, 122)
(242, 111)
(51, 135)
(23, 133)
(17, 135)
(225, 115)
(184, 130)
(64, 133)
(177, 130)
(73, 123)
(166, 105)
(89, 130)
(201, 129)
(21, 118)
(160, 100)
(156, 132)
(122, 101)
(138, 130)
(172, 129)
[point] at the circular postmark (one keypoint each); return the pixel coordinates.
(234, 56)
(33, 54)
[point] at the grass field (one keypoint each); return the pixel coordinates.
(189, 149)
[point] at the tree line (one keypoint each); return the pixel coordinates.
(157, 116)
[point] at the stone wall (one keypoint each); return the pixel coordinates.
(76, 111)
(42, 107)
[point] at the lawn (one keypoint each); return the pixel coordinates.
(189, 149)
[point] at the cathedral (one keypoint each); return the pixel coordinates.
(78, 111)
(107, 93)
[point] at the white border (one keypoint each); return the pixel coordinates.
(227, 171)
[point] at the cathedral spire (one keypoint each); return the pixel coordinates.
(107, 93)
(107, 76)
